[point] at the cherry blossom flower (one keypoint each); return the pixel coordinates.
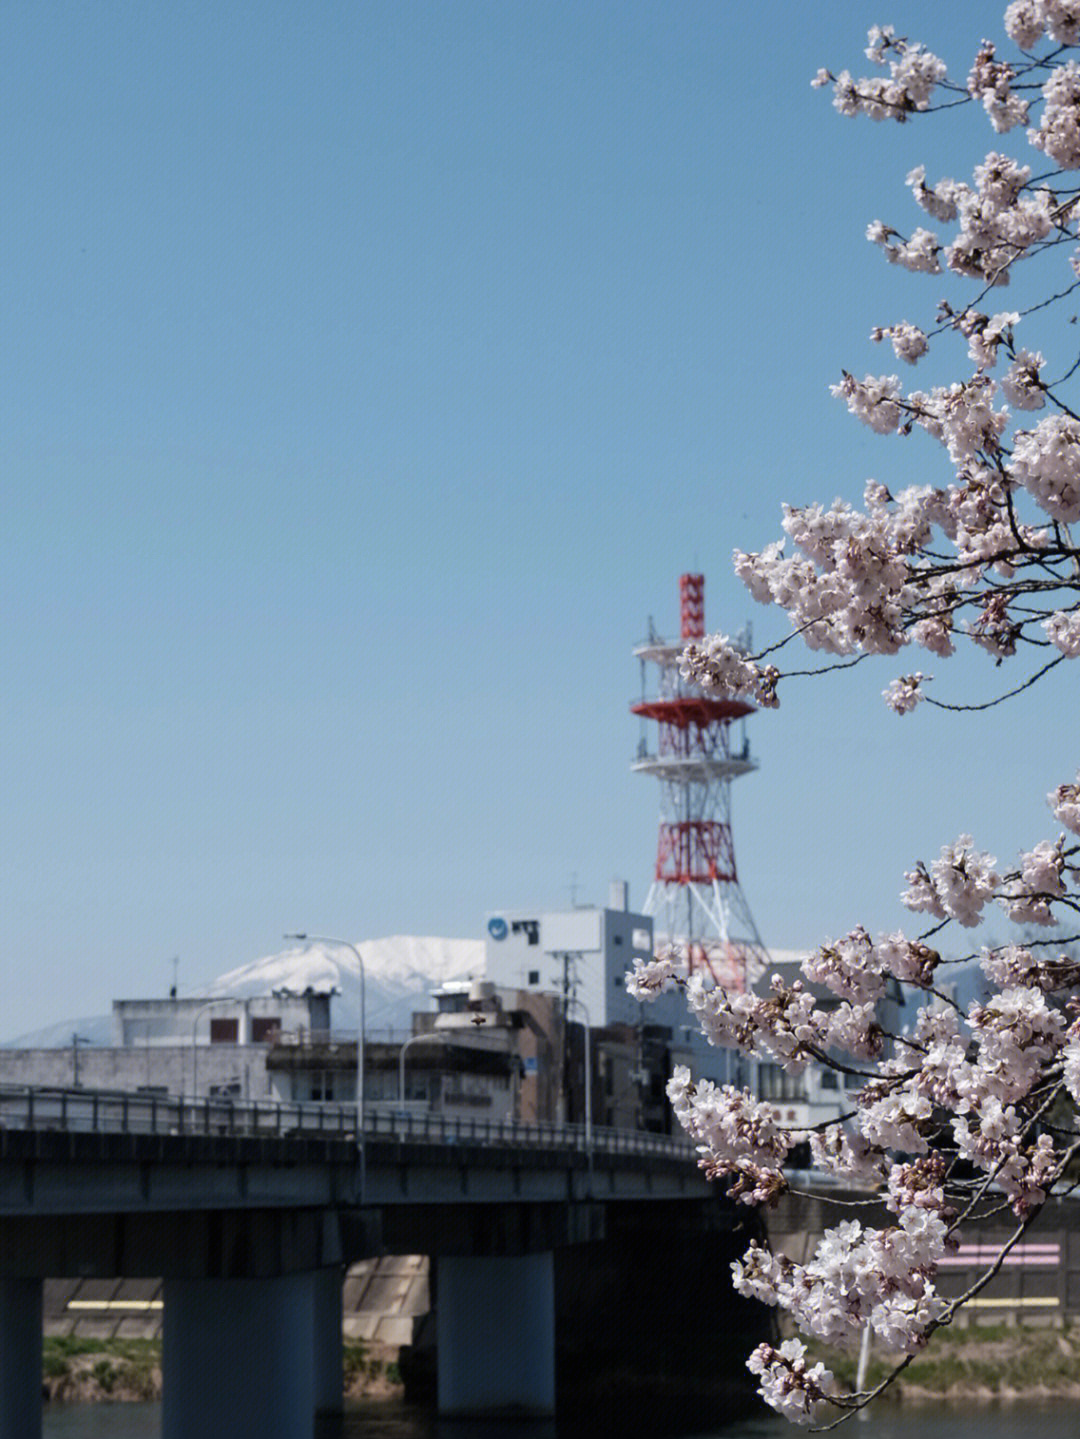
(990, 82)
(848, 966)
(984, 555)
(1027, 895)
(1065, 802)
(913, 75)
(1071, 1067)
(848, 1153)
(985, 334)
(1046, 461)
(904, 693)
(873, 400)
(939, 201)
(1025, 23)
(1058, 134)
(1021, 385)
(648, 978)
(908, 341)
(788, 1385)
(1064, 631)
(720, 667)
(960, 882)
(1014, 964)
(736, 1135)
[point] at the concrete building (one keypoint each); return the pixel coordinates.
(585, 951)
(225, 1019)
(481, 1054)
(585, 954)
(512, 1046)
(492, 1054)
(196, 1046)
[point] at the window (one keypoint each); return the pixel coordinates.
(224, 1031)
(534, 976)
(265, 1029)
(775, 1083)
(829, 1079)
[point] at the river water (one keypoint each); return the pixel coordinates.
(1049, 1419)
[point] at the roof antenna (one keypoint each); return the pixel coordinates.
(175, 962)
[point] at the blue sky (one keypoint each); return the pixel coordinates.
(370, 374)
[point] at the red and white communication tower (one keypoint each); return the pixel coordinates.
(695, 897)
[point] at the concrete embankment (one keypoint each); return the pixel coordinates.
(983, 1361)
(103, 1336)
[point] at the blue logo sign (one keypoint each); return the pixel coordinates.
(497, 927)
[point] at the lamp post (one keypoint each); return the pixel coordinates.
(344, 943)
(76, 1040)
(210, 1003)
(414, 1039)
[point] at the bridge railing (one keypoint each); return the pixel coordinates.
(26, 1107)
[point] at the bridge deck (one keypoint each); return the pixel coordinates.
(75, 1152)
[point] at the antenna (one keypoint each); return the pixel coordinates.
(695, 899)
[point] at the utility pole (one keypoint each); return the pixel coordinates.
(76, 1040)
(568, 982)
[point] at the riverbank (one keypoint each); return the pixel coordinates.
(1005, 1362)
(117, 1370)
(1001, 1361)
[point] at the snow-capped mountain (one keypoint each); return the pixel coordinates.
(91, 1029)
(400, 973)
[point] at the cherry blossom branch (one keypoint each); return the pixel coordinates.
(1008, 695)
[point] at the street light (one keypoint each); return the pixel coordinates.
(76, 1040)
(210, 1003)
(415, 1039)
(344, 943)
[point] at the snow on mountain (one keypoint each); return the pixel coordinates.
(400, 973)
(91, 1029)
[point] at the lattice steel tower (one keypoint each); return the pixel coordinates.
(695, 897)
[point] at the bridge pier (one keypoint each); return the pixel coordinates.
(238, 1358)
(495, 1326)
(326, 1297)
(20, 1358)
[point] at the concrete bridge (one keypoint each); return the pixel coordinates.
(250, 1214)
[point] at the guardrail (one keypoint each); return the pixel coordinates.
(107, 1111)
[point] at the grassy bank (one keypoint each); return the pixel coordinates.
(121, 1369)
(980, 1361)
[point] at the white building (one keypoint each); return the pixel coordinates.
(198, 1046)
(223, 1019)
(587, 951)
